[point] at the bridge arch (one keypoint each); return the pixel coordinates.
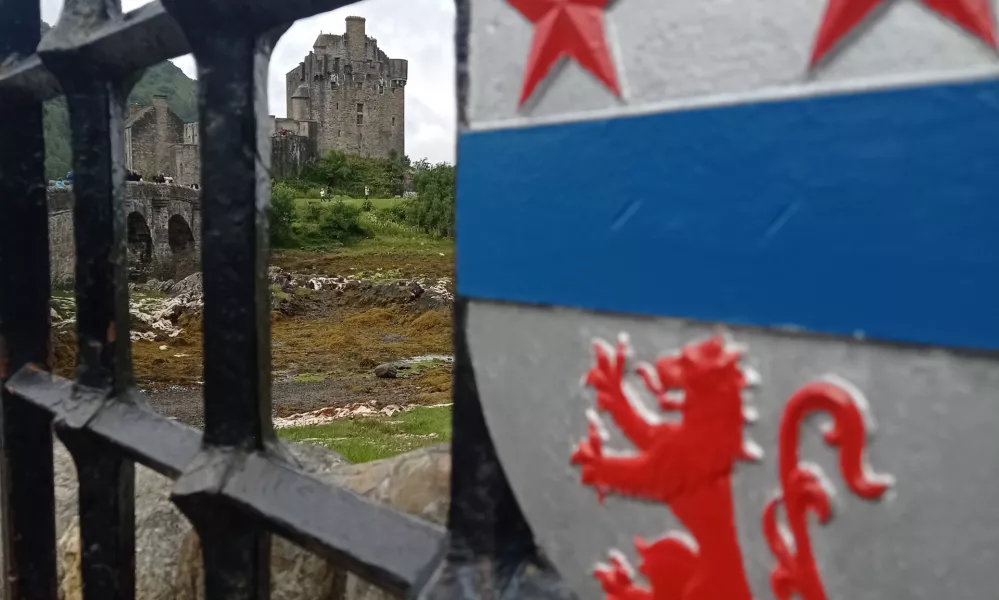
(140, 246)
(183, 249)
(180, 235)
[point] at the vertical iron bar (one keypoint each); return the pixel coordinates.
(95, 94)
(232, 78)
(235, 188)
(26, 480)
(490, 550)
(484, 519)
(96, 111)
(107, 516)
(232, 55)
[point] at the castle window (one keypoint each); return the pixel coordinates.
(360, 107)
(360, 119)
(381, 90)
(393, 121)
(338, 106)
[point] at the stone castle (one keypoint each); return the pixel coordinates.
(346, 95)
(158, 141)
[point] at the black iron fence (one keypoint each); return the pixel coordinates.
(233, 481)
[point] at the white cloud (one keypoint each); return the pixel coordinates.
(421, 31)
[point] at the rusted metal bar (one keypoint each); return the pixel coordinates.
(26, 482)
(95, 93)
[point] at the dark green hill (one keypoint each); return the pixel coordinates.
(165, 78)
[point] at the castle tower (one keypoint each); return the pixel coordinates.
(356, 40)
(354, 92)
(164, 135)
(150, 133)
(299, 107)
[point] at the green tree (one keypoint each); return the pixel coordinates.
(398, 166)
(332, 170)
(348, 174)
(432, 211)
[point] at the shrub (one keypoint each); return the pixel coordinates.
(327, 225)
(382, 222)
(395, 212)
(367, 206)
(313, 212)
(282, 215)
(339, 222)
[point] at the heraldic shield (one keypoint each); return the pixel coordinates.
(728, 274)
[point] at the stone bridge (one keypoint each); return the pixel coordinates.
(164, 232)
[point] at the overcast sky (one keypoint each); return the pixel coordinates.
(421, 31)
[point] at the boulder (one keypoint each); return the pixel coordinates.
(386, 371)
(168, 552)
(191, 286)
(417, 483)
(159, 530)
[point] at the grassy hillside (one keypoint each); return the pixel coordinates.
(165, 78)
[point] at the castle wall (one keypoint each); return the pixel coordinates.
(155, 204)
(192, 135)
(291, 154)
(286, 124)
(169, 131)
(150, 137)
(365, 115)
(186, 159)
(142, 141)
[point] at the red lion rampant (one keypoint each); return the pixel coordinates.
(686, 463)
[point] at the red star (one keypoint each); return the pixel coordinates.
(975, 16)
(566, 28)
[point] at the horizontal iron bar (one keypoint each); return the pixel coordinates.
(142, 38)
(383, 546)
(153, 440)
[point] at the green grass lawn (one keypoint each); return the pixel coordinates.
(366, 439)
(376, 202)
(400, 243)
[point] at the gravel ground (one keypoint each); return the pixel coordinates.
(288, 397)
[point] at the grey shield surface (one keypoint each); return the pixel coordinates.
(934, 535)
